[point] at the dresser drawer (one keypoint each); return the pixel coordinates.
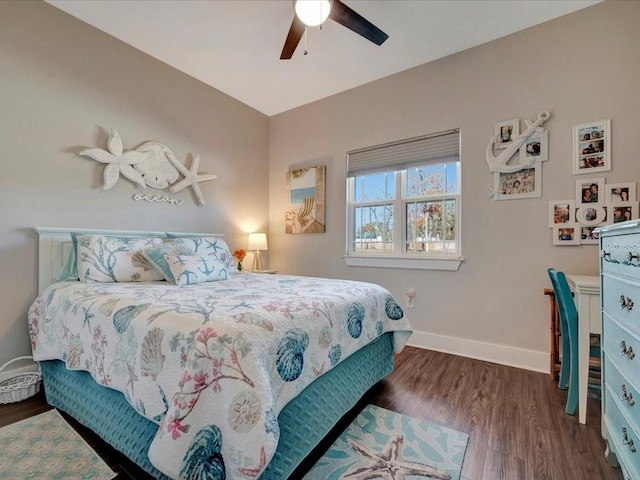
(622, 390)
(621, 301)
(621, 254)
(624, 437)
(623, 349)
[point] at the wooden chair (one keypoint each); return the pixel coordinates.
(568, 312)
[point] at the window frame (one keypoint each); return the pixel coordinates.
(401, 257)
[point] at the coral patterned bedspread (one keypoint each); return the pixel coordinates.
(212, 363)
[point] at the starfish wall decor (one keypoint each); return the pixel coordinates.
(151, 165)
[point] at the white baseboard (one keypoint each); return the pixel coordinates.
(514, 357)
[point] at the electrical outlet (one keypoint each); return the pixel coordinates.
(409, 302)
(408, 298)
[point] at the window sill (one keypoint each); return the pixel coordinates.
(451, 264)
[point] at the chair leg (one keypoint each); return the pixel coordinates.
(572, 394)
(565, 364)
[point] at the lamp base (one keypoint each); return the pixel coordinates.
(257, 262)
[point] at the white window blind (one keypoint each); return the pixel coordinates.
(404, 153)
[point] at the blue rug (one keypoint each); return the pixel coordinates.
(390, 446)
(46, 447)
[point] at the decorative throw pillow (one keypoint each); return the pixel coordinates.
(210, 245)
(115, 259)
(156, 255)
(192, 269)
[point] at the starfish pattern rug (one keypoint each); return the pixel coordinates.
(47, 447)
(381, 444)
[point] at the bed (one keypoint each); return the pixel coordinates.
(193, 369)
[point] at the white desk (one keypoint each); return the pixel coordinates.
(586, 291)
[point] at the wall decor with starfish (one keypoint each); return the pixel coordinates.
(152, 164)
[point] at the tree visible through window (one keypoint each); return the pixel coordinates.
(412, 210)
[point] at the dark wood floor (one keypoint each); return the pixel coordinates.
(515, 419)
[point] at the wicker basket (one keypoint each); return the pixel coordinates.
(20, 386)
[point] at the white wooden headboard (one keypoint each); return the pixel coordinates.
(54, 245)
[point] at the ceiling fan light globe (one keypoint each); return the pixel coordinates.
(312, 12)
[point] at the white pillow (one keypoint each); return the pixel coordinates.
(115, 259)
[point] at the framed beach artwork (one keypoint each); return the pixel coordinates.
(525, 183)
(592, 147)
(305, 212)
(535, 147)
(505, 132)
(588, 192)
(561, 212)
(616, 193)
(567, 234)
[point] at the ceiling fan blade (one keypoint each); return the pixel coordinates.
(356, 22)
(293, 38)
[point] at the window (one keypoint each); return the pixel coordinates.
(404, 203)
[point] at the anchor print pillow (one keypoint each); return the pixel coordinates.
(107, 259)
(209, 245)
(192, 269)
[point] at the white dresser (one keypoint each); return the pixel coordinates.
(620, 299)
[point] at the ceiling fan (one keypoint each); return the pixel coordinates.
(314, 12)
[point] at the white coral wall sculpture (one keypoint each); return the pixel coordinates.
(152, 164)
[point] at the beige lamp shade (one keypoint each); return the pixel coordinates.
(257, 241)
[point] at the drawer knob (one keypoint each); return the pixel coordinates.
(632, 256)
(627, 396)
(627, 441)
(626, 302)
(606, 254)
(628, 351)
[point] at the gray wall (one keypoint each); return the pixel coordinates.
(582, 67)
(63, 86)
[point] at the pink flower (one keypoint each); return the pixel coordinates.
(205, 335)
(200, 380)
(175, 427)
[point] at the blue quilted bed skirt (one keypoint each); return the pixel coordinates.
(303, 422)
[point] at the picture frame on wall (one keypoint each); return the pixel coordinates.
(591, 215)
(592, 147)
(588, 192)
(525, 183)
(623, 212)
(620, 193)
(568, 234)
(506, 132)
(535, 147)
(305, 211)
(589, 236)
(561, 212)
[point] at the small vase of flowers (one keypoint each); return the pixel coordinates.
(239, 255)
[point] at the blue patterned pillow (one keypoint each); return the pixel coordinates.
(156, 255)
(210, 245)
(192, 269)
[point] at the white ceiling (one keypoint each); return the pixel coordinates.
(235, 45)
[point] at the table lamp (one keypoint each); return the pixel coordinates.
(257, 242)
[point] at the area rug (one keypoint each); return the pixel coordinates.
(47, 447)
(390, 446)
